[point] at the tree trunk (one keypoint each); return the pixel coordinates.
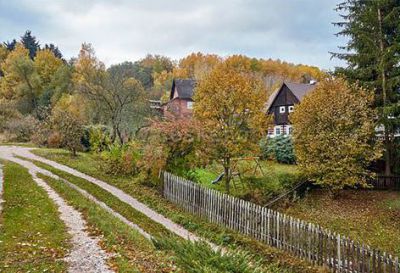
(384, 97)
(227, 174)
(121, 140)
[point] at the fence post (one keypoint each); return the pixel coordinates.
(304, 240)
(338, 252)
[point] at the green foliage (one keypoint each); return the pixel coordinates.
(121, 159)
(279, 148)
(29, 41)
(98, 138)
(371, 53)
(199, 257)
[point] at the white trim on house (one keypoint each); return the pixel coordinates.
(277, 130)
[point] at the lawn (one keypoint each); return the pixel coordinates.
(371, 217)
(32, 236)
(258, 186)
(91, 165)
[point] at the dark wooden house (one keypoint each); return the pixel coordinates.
(282, 102)
(180, 104)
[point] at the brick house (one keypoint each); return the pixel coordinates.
(282, 102)
(180, 104)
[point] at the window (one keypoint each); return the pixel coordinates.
(277, 130)
(189, 105)
(290, 130)
(282, 109)
(291, 108)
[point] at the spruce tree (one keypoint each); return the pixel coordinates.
(30, 43)
(10, 45)
(53, 48)
(372, 54)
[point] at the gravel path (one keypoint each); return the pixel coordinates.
(167, 223)
(86, 255)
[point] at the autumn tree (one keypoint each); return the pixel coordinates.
(196, 65)
(65, 125)
(69, 127)
(171, 145)
(334, 132)
(373, 60)
(230, 105)
(32, 82)
(111, 91)
(20, 78)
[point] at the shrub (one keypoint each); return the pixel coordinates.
(21, 129)
(122, 160)
(70, 127)
(279, 148)
(99, 138)
(8, 112)
(54, 140)
(96, 138)
(171, 145)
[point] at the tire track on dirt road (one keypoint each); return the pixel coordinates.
(86, 254)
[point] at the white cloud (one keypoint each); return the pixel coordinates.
(293, 30)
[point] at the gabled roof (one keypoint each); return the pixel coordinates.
(298, 89)
(184, 87)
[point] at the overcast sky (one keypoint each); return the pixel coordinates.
(298, 31)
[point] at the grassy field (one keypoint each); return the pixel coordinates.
(371, 217)
(91, 164)
(32, 237)
(256, 185)
(134, 253)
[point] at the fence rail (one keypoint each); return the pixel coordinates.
(304, 240)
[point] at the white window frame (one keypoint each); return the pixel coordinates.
(278, 129)
(289, 130)
(282, 109)
(189, 105)
(291, 108)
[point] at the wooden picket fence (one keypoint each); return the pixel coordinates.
(382, 182)
(305, 240)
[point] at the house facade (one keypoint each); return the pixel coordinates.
(180, 104)
(282, 102)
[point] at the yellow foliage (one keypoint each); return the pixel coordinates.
(19, 75)
(334, 134)
(231, 106)
(46, 65)
(196, 65)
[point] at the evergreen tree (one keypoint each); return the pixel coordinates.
(53, 48)
(10, 45)
(30, 43)
(373, 59)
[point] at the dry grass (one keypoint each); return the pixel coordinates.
(370, 217)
